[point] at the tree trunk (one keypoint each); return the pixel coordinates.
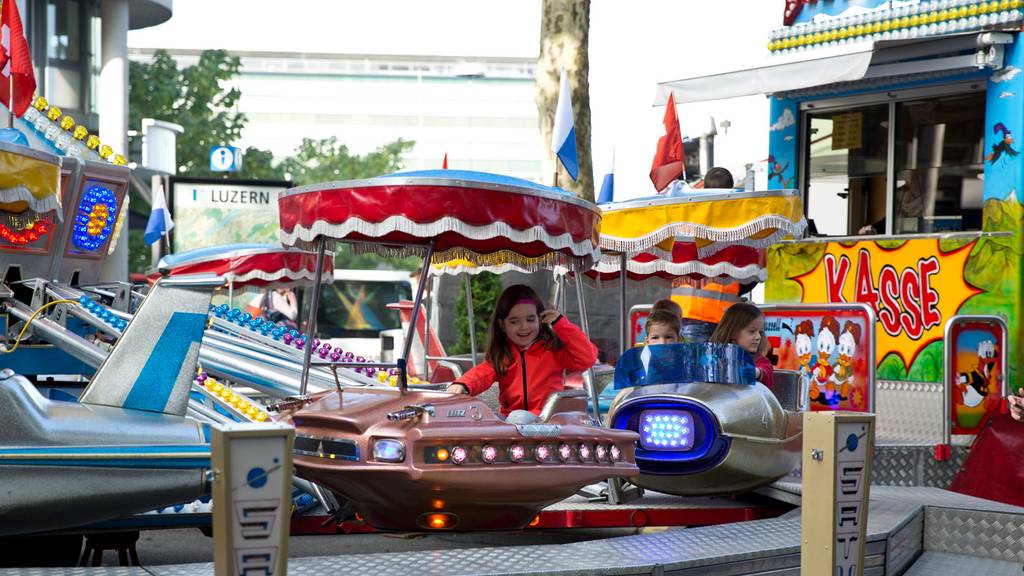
(564, 36)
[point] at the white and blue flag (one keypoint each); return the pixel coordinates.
(563, 136)
(160, 222)
(607, 194)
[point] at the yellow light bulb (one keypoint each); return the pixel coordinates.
(80, 132)
(53, 113)
(92, 142)
(67, 123)
(106, 151)
(40, 103)
(119, 160)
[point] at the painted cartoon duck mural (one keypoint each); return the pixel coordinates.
(975, 386)
(842, 376)
(822, 385)
(1004, 146)
(804, 333)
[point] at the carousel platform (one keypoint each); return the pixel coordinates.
(911, 531)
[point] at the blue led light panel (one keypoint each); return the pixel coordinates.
(666, 429)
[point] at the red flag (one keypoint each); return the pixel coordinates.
(668, 158)
(444, 165)
(15, 61)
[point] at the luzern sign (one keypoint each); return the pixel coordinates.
(238, 196)
(213, 212)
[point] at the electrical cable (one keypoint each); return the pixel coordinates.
(30, 319)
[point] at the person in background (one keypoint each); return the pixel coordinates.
(1017, 405)
(718, 177)
(528, 347)
(277, 305)
(743, 325)
(668, 305)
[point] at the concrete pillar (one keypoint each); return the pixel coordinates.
(113, 111)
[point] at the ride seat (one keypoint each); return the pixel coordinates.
(570, 400)
(786, 388)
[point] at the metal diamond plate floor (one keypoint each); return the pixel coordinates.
(943, 564)
(895, 520)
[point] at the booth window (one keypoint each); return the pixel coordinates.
(939, 164)
(847, 168)
(935, 179)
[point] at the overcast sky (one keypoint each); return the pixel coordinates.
(633, 46)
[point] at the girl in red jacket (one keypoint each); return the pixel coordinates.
(528, 347)
(743, 325)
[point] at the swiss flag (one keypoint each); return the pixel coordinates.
(668, 158)
(15, 61)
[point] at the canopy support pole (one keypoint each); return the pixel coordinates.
(470, 316)
(588, 379)
(427, 303)
(231, 291)
(623, 330)
(314, 305)
(403, 370)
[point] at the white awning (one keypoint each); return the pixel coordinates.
(848, 63)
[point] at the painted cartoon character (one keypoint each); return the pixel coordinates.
(777, 170)
(1004, 146)
(842, 376)
(822, 387)
(976, 386)
(804, 334)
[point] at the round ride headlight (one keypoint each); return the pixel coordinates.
(615, 452)
(459, 455)
(517, 453)
(600, 452)
(389, 450)
(489, 453)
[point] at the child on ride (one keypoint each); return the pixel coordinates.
(743, 325)
(662, 327)
(528, 347)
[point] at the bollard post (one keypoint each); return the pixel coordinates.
(838, 448)
(252, 485)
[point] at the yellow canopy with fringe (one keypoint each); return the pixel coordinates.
(28, 183)
(712, 219)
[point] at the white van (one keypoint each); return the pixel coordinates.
(353, 310)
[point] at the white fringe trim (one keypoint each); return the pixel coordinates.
(290, 275)
(748, 273)
(22, 194)
(583, 253)
(739, 235)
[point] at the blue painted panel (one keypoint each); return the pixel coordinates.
(835, 8)
(783, 144)
(155, 382)
(1004, 123)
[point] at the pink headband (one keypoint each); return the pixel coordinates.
(527, 301)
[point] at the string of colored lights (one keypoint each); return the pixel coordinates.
(30, 233)
(925, 19)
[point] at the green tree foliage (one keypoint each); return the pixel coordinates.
(486, 289)
(196, 97)
(199, 98)
(328, 159)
